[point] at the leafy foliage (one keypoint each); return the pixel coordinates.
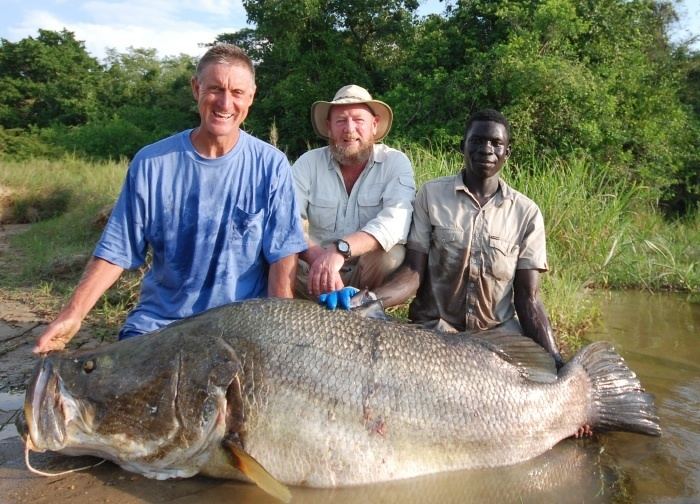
(307, 49)
(47, 80)
(596, 78)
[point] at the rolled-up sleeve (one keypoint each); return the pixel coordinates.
(533, 248)
(419, 237)
(392, 223)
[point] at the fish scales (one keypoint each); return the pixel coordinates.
(390, 390)
(329, 399)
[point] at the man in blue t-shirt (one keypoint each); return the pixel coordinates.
(215, 206)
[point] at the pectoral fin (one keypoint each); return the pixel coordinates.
(257, 473)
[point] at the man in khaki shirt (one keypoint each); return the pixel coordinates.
(476, 246)
(355, 196)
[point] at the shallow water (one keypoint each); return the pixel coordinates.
(659, 337)
(657, 334)
(9, 406)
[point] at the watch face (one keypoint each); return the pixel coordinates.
(343, 247)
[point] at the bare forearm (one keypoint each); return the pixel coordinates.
(531, 312)
(401, 286)
(405, 282)
(360, 243)
(280, 281)
(99, 276)
(535, 323)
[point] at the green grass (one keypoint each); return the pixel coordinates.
(66, 200)
(63, 198)
(657, 255)
(602, 231)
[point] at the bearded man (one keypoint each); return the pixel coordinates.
(355, 197)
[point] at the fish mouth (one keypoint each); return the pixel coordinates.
(44, 418)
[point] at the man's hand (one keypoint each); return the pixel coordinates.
(584, 431)
(341, 298)
(98, 277)
(57, 334)
(324, 273)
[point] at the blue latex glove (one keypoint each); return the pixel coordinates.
(340, 298)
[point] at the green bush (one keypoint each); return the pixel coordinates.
(19, 144)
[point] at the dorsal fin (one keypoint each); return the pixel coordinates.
(256, 472)
(533, 360)
(371, 309)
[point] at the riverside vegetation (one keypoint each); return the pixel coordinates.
(603, 232)
(604, 105)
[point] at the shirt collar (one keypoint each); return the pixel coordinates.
(505, 191)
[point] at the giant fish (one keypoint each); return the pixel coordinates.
(285, 392)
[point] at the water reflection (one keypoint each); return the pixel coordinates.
(573, 472)
(9, 407)
(658, 335)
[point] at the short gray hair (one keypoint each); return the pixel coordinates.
(227, 54)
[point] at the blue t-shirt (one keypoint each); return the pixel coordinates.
(214, 226)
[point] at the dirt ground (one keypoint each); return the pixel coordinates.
(21, 321)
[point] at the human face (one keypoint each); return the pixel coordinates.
(486, 149)
(224, 93)
(351, 131)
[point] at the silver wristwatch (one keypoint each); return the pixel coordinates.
(343, 248)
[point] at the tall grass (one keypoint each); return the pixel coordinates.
(67, 201)
(434, 161)
(64, 199)
(585, 210)
(657, 255)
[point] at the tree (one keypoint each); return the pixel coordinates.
(140, 99)
(597, 77)
(46, 80)
(306, 50)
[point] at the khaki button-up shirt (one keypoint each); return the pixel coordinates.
(473, 253)
(380, 203)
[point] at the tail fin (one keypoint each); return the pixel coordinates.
(619, 401)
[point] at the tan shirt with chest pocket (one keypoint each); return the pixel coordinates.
(473, 253)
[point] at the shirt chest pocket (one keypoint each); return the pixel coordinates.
(246, 228)
(448, 244)
(502, 258)
(369, 204)
(444, 236)
(322, 214)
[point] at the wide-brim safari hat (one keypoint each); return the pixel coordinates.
(347, 95)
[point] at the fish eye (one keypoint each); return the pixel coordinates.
(89, 366)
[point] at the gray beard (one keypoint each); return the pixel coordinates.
(343, 158)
